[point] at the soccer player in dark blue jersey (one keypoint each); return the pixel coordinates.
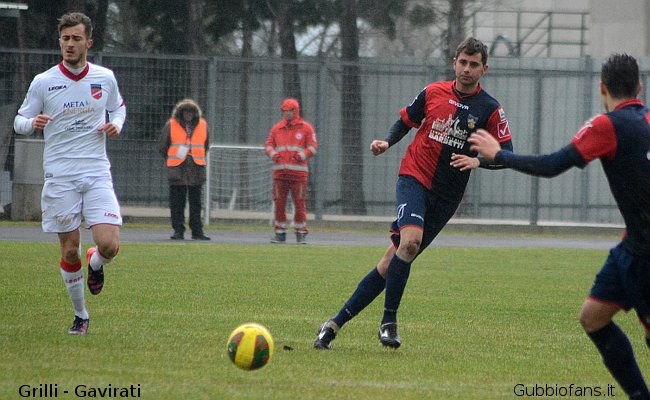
(620, 138)
(429, 189)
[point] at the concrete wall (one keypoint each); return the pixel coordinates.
(620, 26)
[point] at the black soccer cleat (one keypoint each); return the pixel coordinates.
(388, 335)
(79, 326)
(95, 279)
(324, 337)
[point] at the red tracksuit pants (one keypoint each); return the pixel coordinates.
(298, 188)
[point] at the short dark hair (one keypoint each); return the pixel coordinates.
(74, 19)
(472, 46)
(620, 74)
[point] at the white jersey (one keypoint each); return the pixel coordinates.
(78, 104)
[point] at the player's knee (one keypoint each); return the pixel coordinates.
(410, 247)
(109, 250)
(590, 323)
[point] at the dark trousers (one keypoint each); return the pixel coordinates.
(177, 196)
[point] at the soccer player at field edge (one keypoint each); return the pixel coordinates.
(428, 189)
(69, 102)
(620, 138)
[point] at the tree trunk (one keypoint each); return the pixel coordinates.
(289, 54)
(97, 12)
(455, 31)
(246, 52)
(129, 31)
(194, 40)
(352, 196)
(75, 6)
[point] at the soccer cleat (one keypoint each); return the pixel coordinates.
(177, 236)
(95, 279)
(301, 238)
(279, 238)
(388, 335)
(324, 337)
(200, 236)
(79, 326)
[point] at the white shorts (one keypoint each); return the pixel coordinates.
(64, 204)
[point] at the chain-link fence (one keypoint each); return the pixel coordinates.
(546, 101)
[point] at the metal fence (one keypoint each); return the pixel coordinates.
(546, 101)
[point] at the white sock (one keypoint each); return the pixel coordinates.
(97, 260)
(74, 282)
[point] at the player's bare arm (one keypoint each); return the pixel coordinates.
(39, 122)
(484, 143)
(110, 129)
(463, 162)
(378, 147)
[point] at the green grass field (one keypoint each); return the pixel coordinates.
(474, 323)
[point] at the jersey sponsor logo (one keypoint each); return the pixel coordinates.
(57, 87)
(448, 132)
(77, 107)
(78, 125)
(96, 90)
(458, 105)
(503, 130)
(108, 214)
(75, 104)
(502, 115)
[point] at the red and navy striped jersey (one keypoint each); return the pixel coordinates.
(621, 139)
(445, 118)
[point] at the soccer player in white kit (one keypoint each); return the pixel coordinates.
(69, 103)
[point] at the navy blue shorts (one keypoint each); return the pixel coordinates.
(624, 282)
(418, 207)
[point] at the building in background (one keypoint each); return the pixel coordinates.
(568, 29)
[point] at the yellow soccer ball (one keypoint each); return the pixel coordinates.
(250, 346)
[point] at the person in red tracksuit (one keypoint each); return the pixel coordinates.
(291, 143)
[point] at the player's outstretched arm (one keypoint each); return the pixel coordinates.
(546, 166)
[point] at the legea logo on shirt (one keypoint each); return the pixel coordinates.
(57, 87)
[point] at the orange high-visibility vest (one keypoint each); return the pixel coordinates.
(195, 143)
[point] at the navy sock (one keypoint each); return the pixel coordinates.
(618, 356)
(369, 288)
(396, 278)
